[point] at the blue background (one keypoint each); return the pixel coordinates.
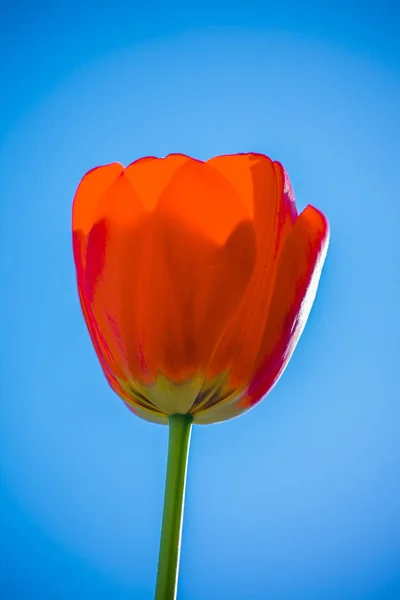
(299, 499)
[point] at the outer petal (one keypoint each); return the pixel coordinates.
(110, 366)
(297, 281)
(296, 284)
(203, 259)
(93, 185)
(266, 188)
(193, 287)
(240, 171)
(106, 358)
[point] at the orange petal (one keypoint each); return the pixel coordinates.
(116, 264)
(203, 200)
(112, 248)
(108, 363)
(297, 280)
(258, 178)
(246, 174)
(91, 188)
(193, 287)
(150, 176)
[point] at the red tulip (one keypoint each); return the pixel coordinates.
(196, 279)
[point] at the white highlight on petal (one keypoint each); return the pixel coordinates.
(287, 188)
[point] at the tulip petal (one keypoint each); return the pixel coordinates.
(149, 176)
(203, 200)
(116, 263)
(297, 280)
(111, 368)
(107, 361)
(296, 285)
(93, 185)
(144, 413)
(239, 170)
(192, 286)
(117, 247)
(265, 183)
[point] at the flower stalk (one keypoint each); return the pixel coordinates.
(178, 451)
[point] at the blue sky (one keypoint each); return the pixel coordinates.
(299, 498)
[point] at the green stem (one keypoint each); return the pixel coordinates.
(168, 562)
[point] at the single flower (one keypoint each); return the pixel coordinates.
(195, 279)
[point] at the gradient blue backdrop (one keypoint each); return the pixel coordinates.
(300, 498)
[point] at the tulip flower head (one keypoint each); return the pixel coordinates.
(195, 279)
